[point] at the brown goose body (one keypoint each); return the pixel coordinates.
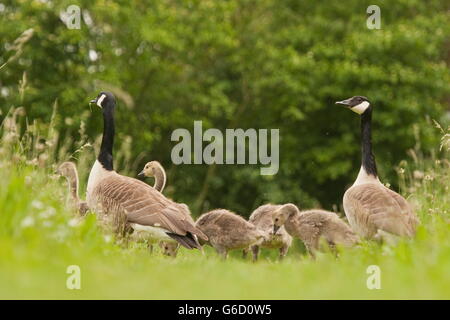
(371, 207)
(227, 231)
(69, 171)
(311, 226)
(142, 207)
(261, 218)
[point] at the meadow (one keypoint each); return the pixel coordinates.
(41, 236)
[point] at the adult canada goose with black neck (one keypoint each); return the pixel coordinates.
(131, 202)
(371, 208)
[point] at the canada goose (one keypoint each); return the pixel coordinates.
(69, 171)
(132, 202)
(261, 218)
(371, 208)
(227, 231)
(156, 170)
(313, 225)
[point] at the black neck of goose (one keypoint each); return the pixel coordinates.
(368, 159)
(105, 157)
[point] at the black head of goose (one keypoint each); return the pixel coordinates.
(139, 205)
(371, 208)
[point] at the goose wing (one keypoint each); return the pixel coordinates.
(380, 208)
(144, 205)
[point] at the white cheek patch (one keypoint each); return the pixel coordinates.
(360, 108)
(100, 100)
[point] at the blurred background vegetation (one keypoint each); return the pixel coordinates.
(232, 64)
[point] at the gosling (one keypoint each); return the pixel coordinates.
(313, 225)
(169, 248)
(228, 231)
(261, 218)
(69, 171)
(155, 170)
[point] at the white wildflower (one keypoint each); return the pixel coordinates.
(74, 222)
(27, 222)
(49, 212)
(37, 204)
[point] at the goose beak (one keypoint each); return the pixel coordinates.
(141, 174)
(345, 102)
(275, 229)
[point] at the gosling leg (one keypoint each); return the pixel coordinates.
(283, 251)
(255, 250)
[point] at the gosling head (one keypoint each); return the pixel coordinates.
(358, 104)
(150, 169)
(280, 216)
(105, 100)
(66, 169)
(169, 248)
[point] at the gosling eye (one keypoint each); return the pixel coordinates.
(276, 219)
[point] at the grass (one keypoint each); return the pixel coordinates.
(40, 236)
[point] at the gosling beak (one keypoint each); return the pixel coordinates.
(345, 102)
(275, 229)
(141, 174)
